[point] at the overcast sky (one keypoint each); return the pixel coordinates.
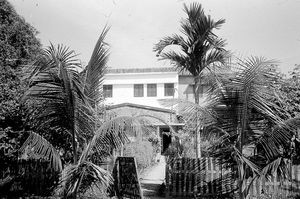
(269, 28)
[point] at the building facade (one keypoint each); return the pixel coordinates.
(141, 91)
(146, 86)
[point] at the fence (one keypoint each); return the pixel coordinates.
(27, 177)
(205, 178)
(275, 188)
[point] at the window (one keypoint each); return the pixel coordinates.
(138, 90)
(151, 90)
(107, 90)
(169, 89)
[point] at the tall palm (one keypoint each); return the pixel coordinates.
(251, 135)
(67, 98)
(56, 85)
(200, 49)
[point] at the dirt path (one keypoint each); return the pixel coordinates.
(152, 180)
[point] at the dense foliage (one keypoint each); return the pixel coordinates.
(18, 47)
(143, 151)
(253, 138)
(289, 91)
(289, 99)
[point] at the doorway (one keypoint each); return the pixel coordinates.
(166, 139)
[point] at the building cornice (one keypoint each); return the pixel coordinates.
(140, 106)
(140, 70)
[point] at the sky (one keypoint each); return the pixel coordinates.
(268, 28)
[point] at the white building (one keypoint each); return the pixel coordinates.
(138, 91)
(145, 86)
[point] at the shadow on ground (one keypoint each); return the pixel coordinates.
(152, 189)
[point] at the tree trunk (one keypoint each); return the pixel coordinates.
(242, 137)
(74, 146)
(197, 129)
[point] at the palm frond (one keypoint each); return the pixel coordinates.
(188, 110)
(177, 59)
(112, 134)
(195, 44)
(216, 56)
(244, 160)
(251, 92)
(168, 41)
(279, 167)
(94, 71)
(57, 84)
(39, 146)
(277, 141)
(78, 178)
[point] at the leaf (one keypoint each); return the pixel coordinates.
(79, 177)
(94, 71)
(199, 46)
(40, 146)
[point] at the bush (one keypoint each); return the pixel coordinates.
(27, 178)
(143, 151)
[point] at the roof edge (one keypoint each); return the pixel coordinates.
(142, 107)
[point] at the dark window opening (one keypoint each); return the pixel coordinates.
(107, 91)
(151, 90)
(138, 90)
(169, 89)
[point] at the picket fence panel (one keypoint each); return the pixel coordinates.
(205, 178)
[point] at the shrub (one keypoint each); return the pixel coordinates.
(143, 151)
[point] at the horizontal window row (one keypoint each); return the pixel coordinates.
(138, 90)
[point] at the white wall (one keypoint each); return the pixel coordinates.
(138, 78)
(123, 84)
(123, 88)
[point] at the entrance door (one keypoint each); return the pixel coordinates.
(166, 139)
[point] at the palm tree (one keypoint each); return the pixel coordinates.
(200, 50)
(64, 95)
(252, 137)
(55, 84)
(66, 99)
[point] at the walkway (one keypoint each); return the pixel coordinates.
(152, 180)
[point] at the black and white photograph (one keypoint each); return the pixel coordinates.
(150, 99)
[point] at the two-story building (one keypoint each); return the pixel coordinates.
(138, 91)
